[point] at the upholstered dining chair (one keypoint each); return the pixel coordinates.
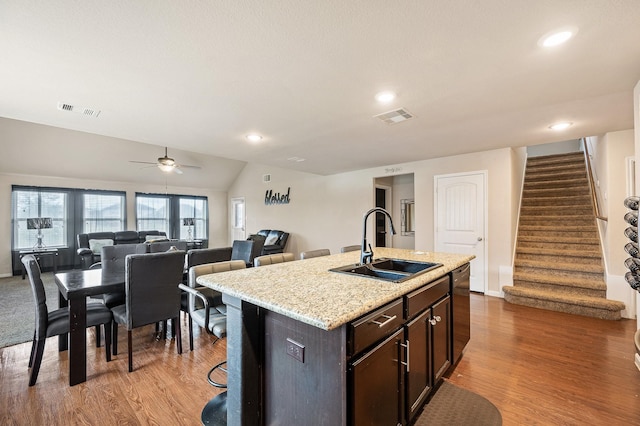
(213, 318)
(160, 246)
(151, 294)
(205, 305)
(113, 259)
(346, 249)
(270, 259)
(314, 253)
(56, 322)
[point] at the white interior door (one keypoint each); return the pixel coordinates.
(460, 214)
(238, 219)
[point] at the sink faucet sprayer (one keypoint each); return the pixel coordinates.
(367, 255)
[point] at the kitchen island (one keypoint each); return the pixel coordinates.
(301, 338)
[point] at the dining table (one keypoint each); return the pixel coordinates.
(74, 287)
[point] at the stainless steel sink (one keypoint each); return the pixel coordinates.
(393, 270)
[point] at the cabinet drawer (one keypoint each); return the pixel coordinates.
(422, 298)
(369, 329)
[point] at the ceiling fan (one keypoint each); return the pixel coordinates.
(167, 164)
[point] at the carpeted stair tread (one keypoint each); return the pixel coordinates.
(574, 303)
(549, 210)
(553, 175)
(573, 256)
(589, 255)
(555, 184)
(554, 239)
(558, 200)
(557, 231)
(560, 191)
(561, 266)
(593, 283)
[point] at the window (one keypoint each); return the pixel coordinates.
(103, 212)
(39, 202)
(152, 213)
(167, 213)
(193, 208)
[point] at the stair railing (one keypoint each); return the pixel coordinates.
(594, 195)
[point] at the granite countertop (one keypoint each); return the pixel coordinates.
(307, 291)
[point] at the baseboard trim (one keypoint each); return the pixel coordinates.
(7, 275)
(495, 294)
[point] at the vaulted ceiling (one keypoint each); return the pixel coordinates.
(199, 76)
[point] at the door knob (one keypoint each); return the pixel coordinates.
(479, 238)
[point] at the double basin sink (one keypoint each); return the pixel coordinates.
(392, 270)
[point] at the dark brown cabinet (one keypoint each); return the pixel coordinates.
(419, 378)
(376, 385)
(427, 341)
(441, 337)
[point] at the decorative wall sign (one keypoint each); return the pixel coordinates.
(276, 198)
(393, 170)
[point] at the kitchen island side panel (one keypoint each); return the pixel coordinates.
(304, 373)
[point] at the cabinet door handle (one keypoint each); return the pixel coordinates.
(388, 320)
(433, 321)
(408, 362)
(438, 318)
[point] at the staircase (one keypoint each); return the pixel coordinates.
(558, 264)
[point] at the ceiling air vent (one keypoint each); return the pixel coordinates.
(395, 116)
(266, 178)
(89, 112)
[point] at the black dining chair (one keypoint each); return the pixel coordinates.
(151, 295)
(246, 250)
(55, 323)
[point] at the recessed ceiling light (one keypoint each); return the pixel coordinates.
(557, 37)
(385, 97)
(561, 126)
(254, 137)
(296, 159)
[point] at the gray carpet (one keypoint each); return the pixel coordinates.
(17, 308)
(452, 405)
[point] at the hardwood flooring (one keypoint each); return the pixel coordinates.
(538, 367)
(549, 368)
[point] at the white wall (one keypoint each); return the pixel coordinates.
(610, 152)
(217, 206)
(326, 211)
(636, 125)
(554, 148)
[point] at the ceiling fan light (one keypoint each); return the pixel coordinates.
(166, 167)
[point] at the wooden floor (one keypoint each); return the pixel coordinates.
(538, 368)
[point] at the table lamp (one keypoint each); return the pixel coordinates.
(189, 221)
(39, 223)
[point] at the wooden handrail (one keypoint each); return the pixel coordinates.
(594, 197)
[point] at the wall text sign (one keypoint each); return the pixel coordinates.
(276, 198)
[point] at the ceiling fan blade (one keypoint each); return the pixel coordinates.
(142, 162)
(189, 167)
(177, 170)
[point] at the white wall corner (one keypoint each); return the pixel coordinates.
(619, 289)
(505, 278)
